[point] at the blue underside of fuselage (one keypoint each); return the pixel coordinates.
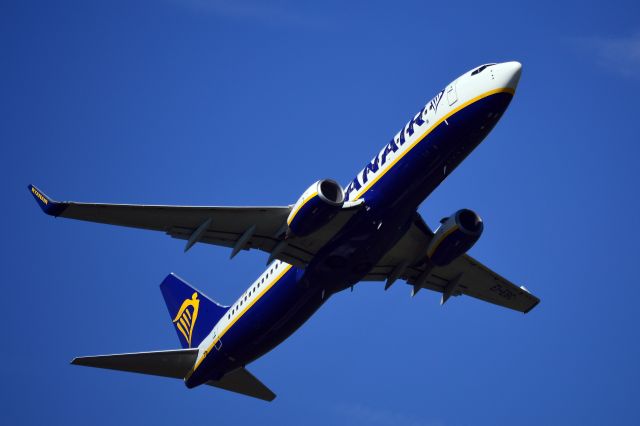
(392, 201)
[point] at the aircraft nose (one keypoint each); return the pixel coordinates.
(510, 72)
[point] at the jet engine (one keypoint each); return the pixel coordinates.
(316, 207)
(455, 236)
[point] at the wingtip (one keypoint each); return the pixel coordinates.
(537, 302)
(47, 204)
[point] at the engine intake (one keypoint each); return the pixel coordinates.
(455, 236)
(316, 207)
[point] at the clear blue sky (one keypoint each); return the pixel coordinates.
(247, 103)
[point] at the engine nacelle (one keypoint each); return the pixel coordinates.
(316, 207)
(455, 236)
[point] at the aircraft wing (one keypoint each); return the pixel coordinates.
(465, 275)
(240, 228)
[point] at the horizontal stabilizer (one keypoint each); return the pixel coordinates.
(174, 363)
(241, 381)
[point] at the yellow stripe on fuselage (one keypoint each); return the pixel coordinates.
(429, 130)
(291, 217)
(364, 189)
(247, 307)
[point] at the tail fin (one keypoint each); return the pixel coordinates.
(193, 314)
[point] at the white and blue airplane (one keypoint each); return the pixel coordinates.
(329, 240)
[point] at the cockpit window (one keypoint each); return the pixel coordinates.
(482, 68)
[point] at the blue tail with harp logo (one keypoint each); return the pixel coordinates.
(193, 314)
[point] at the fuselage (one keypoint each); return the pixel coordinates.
(393, 184)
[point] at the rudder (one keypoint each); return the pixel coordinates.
(193, 314)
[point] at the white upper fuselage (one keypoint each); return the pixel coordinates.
(461, 92)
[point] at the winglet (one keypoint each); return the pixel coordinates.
(49, 206)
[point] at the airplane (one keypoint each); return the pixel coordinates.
(328, 241)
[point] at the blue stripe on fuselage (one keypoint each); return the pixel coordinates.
(420, 170)
(392, 200)
(274, 315)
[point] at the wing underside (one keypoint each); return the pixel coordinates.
(464, 276)
(239, 228)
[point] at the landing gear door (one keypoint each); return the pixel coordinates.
(452, 95)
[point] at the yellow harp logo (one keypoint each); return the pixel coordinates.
(186, 318)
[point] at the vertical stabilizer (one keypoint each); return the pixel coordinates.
(193, 314)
